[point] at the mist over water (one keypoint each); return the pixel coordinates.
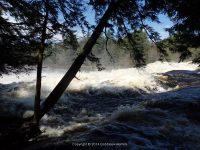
(128, 78)
(129, 105)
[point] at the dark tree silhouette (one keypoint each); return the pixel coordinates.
(33, 29)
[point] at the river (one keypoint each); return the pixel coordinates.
(155, 107)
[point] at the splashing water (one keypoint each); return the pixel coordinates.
(113, 81)
(116, 106)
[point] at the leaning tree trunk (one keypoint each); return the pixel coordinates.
(39, 68)
(65, 81)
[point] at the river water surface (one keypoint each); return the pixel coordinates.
(156, 107)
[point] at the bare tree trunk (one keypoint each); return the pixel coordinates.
(65, 81)
(38, 88)
(39, 68)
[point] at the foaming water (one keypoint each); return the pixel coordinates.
(112, 81)
(115, 106)
(161, 67)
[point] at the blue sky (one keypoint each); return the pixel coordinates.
(159, 27)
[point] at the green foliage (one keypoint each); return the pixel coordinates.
(20, 39)
(177, 44)
(130, 17)
(138, 44)
(185, 33)
(16, 50)
(132, 14)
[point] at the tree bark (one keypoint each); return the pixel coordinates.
(65, 81)
(36, 118)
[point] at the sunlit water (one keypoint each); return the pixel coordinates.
(128, 106)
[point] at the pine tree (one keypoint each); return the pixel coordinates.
(138, 44)
(38, 22)
(186, 28)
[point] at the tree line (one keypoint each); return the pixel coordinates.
(115, 53)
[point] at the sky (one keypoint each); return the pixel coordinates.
(159, 27)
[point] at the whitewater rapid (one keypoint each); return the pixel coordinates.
(97, 82)
(127, 106)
